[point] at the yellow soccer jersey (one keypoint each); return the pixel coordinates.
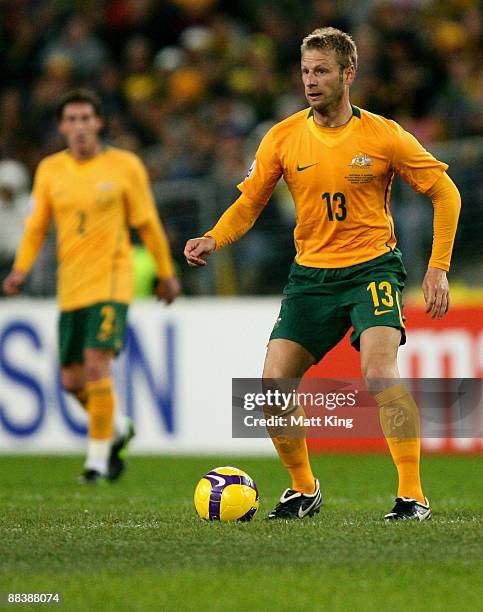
(93, 203)
(340, 180)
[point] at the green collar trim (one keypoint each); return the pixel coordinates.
(355, 111)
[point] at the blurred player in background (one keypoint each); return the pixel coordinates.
(94, 194)
(339, 163)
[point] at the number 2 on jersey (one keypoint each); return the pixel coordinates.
(335, 206)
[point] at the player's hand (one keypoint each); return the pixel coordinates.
(12, 285)
(436, 292)
(197, 250)
(168, 289)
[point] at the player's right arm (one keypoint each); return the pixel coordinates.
(36, 227)
(240, 217)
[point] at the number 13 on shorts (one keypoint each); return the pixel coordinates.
(383, 291)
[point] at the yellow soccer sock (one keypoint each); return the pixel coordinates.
(100, 407)
(295, 457)
(399, 416)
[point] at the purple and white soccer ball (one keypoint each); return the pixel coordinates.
(226, 494)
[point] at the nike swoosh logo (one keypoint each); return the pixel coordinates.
(304, 511)
(380, 312)
(424, 515)
(300, 168)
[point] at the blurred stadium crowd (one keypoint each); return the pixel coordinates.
(192, 85)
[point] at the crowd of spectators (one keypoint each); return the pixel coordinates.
(191, 85)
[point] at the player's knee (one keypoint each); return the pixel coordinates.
(372, 371)
(378, 374)
(97, 365)
(96, 371)
(274, 370)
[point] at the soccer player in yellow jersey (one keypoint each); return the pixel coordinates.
(94, 194)
(339, 162)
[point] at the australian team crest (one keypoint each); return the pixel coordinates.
(361, 170)
(105, 193)
(360, 161)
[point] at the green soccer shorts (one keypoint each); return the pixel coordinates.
(101, 325)
(321, 304)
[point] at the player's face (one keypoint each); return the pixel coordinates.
(80, 126)
(324, 80)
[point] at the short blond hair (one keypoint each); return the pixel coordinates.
(332, 39)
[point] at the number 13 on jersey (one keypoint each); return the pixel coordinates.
(335, 206)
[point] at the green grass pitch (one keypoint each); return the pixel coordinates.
(138, 545)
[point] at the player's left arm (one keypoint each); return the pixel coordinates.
(447, 204)
(144, 217)
(425, 174)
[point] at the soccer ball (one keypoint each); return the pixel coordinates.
(226, 494)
